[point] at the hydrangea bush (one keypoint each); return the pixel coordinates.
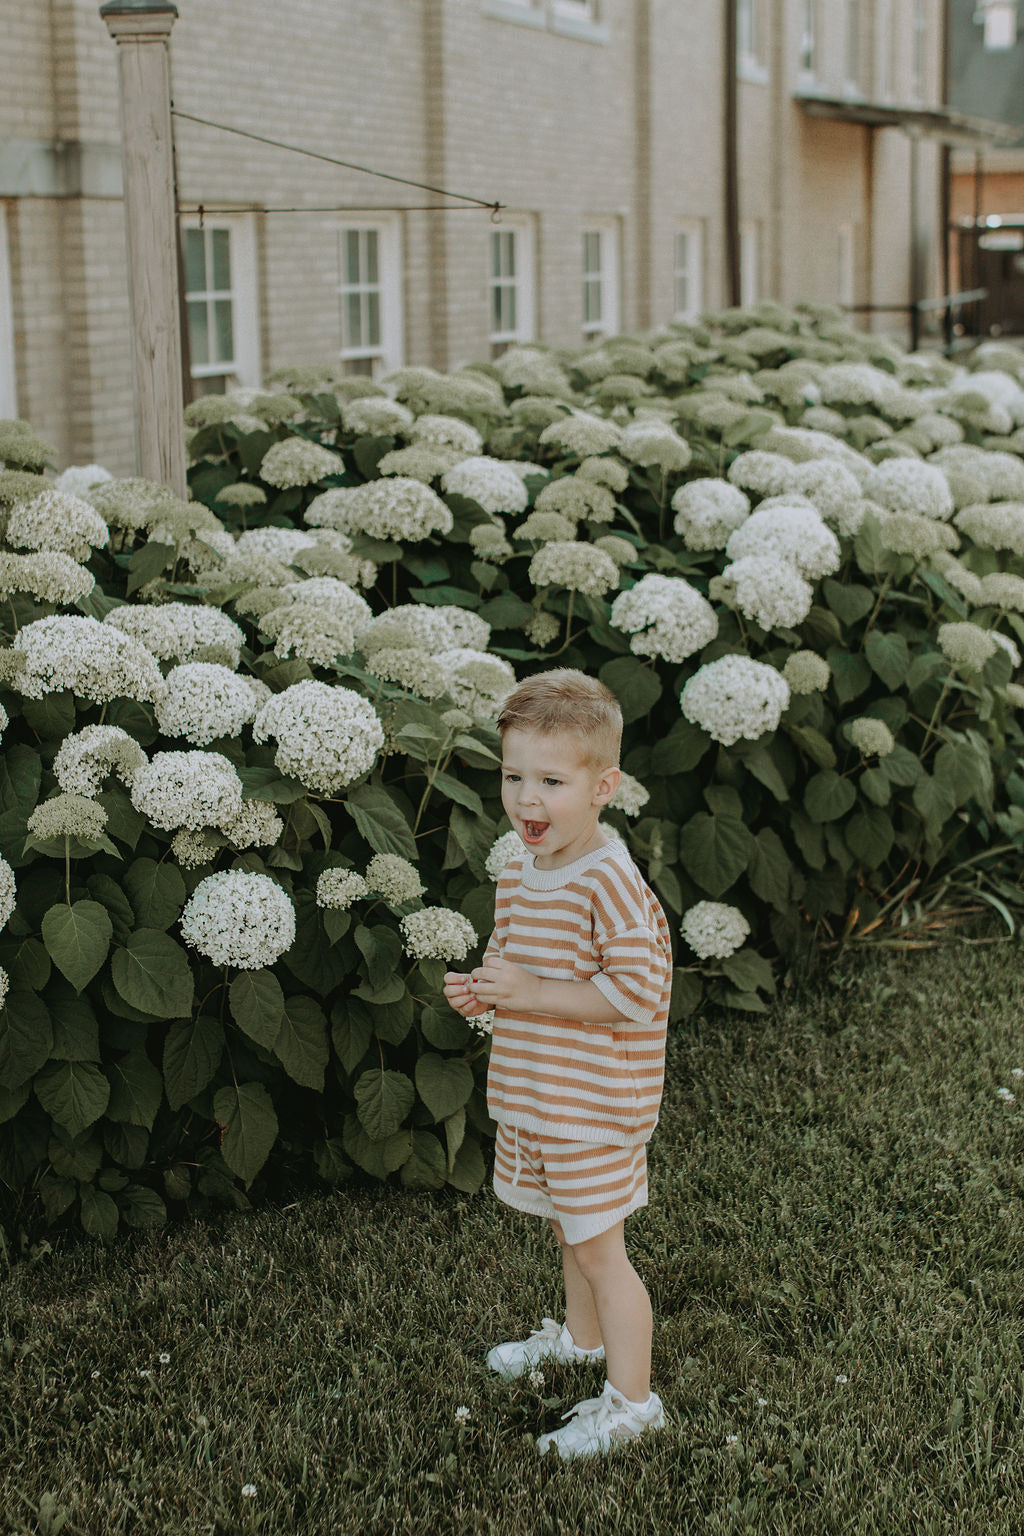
(249, 806)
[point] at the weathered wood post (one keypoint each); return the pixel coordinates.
(141, 29)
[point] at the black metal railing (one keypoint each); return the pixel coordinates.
(951, 303)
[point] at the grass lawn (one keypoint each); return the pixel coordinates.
(834, 1249)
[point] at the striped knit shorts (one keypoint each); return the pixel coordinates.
(586, 1188)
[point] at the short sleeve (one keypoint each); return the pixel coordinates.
(633, 972)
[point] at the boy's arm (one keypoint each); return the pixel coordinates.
(501, 984)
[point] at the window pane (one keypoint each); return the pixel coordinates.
(496, 312)
(351, 256)
(510, 308)
(353, 325)
(592, 302)
(198, 333)
(195, 261)
(221, 242)
(372, 318)
(225, 339)
(370, 269)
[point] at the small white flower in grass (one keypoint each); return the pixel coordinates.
(1006, 1096)
(789, 531)
(248, 1490)
(67, 816)
(966, 645)
(708, 511)
(95, 1375)
(504, 848)
(769, 591)
(714, 930)
(762, 1402)
(872, 738)
(462, 1415)
(630, 797)
(326, 736)
(731, 1440)
(5, 719)
(666, 617)
(337, 889)
(536, 1379)
(735, 697)
(1017, 1072)
(298, 462)
(806, 672)
(842, 1380)
(491, 483)
(437, 933)
(8, 892)
(239, 918)
(164, 1358)
(143, 1373)
(86, 657)
(393, 879)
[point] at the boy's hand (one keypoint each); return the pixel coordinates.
(461, 996)
(500, 983)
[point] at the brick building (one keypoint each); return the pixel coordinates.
(599, 124)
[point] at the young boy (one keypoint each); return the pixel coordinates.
(578, 971)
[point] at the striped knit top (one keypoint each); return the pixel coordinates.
(595, 920)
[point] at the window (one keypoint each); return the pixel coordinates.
(884, 35)
(852, 58)
(750, 262)
(808, 37)
(370, 297)
(688, 271)
(750, 49)
(845, 264)
(601, 278)
(511, 316)
(8, 391)
(220, 302)
(573, 18)
(919, 51)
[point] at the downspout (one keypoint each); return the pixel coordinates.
(730, 177)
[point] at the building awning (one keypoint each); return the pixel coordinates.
(942, 123)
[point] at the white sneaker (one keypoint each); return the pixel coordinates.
(599, 1423)
(552, 1341)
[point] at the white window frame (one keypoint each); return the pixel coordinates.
(750, 262)
(751, 58)
(692, 231)
(605, 277)
(8, 377)
(919, 51)
(846, 263)
(853, 48)
(810, 37)
(388, 353)
(581, 19)
(885, 73)
(245, 368)
(522, 280)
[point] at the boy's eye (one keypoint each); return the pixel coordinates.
(552, 781)
(510, 778)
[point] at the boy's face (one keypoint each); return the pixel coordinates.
(552, 797)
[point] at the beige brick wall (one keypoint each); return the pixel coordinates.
(455, 93)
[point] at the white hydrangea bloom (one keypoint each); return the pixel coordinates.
(393, 879)
(909, 485)
(504, 848)
(446, 432)
(735, 697)
(1003, 590)
(806, 672)
(578, 567)
(872, 738)
(545, 528)
(395, 507)
(204, 701)
(82, 479)
(194, 849)
(765, 589)
(475, 681)
(542, 628)
(575, 497)
(714, 930)
(605, 471)
(86, 757)
(5, 719)
(296, 462)
(653, 443)
(409, 668)
(708, 511)
(337, 889)
(907, 534)
(420, 461)
(966, 645)
(788, 531)
(482, 1023)
(666, 617)
(50, 576)
(959, 577)
(834, 490)
(334, 596)
(856, 384)
(581, 434)
(437, 933)
(1009, 646)
(630, 797)
(280, 543)
(326, 736)
(67, 815)
(996, 524)
(424, 627)
(8, 892)
(491, 483)
(488, 542)
(187, 789)
(178, 631)
(56, 521)
(376, 414)
(620, 549)
(310, 631)
(239, 918)
(257, 825)
(90, 659)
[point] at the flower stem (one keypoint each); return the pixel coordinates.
(882, 593)
(935, 716)
(67, 869)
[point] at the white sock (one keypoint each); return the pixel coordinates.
(642, 1407)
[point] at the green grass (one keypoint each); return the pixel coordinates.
(836, 1192)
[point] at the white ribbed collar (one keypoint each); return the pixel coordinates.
(553, 879)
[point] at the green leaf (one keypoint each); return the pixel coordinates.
(809, 838)
(426, 1166)
(469, 1171)
(249, 1125)
(934, 802)
(257, 1005)
(75, 1157)
(380, 821)
(127, 1145)
(687, 991)
(637, 688)
(156, 892)
(11, 1100)
(330, 1164)
(136, 1090)
(152, 974)
(875, 785)
(149, 561)
(901, 767)
(76, 1031)
(123, 821)
(270, 784)
(769, 870)
(454, 1135)
(869, 836)
(889, 656)
(476, 753)
(828, 796)
(351, 1033)
(73, 1093)
(368, 451)
(812, 744)
(378, 1158)
(57, 1195)
(454, 789)
(715, 850)
(965, 771)
(506, 611)
(851, 673)
(444, 1083)
(758, 760)
(77, 939)
(383, 1099)
(98, 1213)
(20, 775)
(444, 1027)
(52, 717)
(301, 1045)
(749, 971)
(192, 1053)
(312, 959)
(110, 895)
(381, 948)
(849, 602)
(26, 1037)
(143, 1207)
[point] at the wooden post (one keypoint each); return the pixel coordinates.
(141, 29)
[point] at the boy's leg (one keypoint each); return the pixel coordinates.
(580, 1314)
(622, 1308)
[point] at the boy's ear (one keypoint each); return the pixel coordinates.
(608, 782)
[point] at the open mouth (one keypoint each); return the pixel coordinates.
(533, 831)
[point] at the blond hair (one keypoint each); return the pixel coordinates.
(566, 701)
